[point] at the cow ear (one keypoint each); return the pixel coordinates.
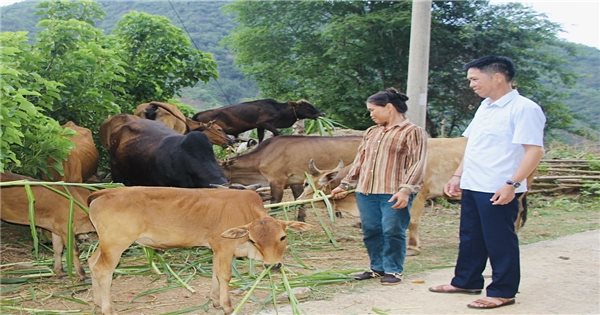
(236, 232)
(296, 225)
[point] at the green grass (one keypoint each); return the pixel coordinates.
(311, 261)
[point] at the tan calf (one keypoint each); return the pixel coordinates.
(231, 222)
(51, 213)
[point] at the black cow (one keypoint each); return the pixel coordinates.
(147, 153)
(261, 114)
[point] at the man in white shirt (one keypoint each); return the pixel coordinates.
(505, 144)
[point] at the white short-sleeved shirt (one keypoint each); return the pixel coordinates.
(496, 137)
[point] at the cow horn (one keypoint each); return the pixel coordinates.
(339, 166)
(312, 168)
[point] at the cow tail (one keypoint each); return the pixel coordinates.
(523, 214)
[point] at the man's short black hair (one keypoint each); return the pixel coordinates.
(499, 64)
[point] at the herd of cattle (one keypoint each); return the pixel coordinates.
(159, 146)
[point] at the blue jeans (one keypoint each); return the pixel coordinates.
(384, 231)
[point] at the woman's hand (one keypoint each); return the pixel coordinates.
(339, 193)
(401, 199)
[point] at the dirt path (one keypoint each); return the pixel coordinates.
(560, 276)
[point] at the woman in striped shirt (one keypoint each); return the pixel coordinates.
(387, 172)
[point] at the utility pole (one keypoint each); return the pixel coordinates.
(418, 61)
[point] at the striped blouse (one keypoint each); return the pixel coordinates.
(389, 160)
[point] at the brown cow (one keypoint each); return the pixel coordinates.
(173, 118)
(82, 162)
(261, 114)
(282, 161)
(443, 157)
(230, 222)
(51, 213)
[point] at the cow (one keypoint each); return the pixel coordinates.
(146, 152)
(281, 161)
(260, 114)
(173, 118)
(443, 157)
(51, 214)
(82, 161)
(233, 223)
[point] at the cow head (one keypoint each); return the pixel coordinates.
(324, 180)
(266, 238)
(212, 130)
(304, 109)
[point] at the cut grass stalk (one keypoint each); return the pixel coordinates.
(291, 297)
(150, 253)
(70, 234)
(37, 310)
(31, 212)
(174, 274)
(192, 309)
(252, 288)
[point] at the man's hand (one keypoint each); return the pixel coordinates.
(452, 187)
(504, 195)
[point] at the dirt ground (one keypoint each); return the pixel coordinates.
(559, 277)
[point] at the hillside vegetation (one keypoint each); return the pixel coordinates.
(207, 25)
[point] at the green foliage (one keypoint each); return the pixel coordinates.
(159, 59)
(78, 55)
(82, 10)
(350, 50)
(72, 71)
(29, 137)
(322, 126)
(591, 189)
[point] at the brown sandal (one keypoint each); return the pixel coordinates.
(448, 288)
(490, 302)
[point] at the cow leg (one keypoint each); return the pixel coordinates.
(222, 272)
(78, 267)
(276, 192)
(102, 266)
(76, 261)
(416, 211)
(58, 246)
(297, 190)
(260, 133)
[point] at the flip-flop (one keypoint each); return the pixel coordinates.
(448, 288)
(490, 302)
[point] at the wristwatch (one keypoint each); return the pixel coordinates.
(513, 183)
(344, 186)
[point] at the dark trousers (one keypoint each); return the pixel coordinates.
(488, 231)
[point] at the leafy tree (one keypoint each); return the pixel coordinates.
(159, 59)
(28, 136)
(79, 56)
(72, 71)
(82, 10)
(338, 53)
